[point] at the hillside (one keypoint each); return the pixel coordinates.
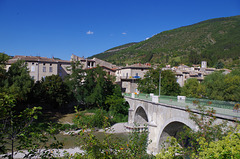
(215, 40)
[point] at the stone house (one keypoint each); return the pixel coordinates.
(128, 76)
(40, 67)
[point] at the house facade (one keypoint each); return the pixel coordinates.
(128, 76)
(40, 67)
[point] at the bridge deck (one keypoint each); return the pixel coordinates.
(221, 107)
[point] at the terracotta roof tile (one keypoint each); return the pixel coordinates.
(35, 58)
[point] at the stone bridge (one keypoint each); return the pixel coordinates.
(163, 119)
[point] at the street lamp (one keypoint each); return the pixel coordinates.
(160, 82)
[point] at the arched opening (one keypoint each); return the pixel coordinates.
(140, 116)
(171, 130)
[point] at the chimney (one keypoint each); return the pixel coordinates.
(204, 64)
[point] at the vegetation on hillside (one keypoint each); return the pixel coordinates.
(214, 40)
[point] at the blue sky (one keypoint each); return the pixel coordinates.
(61, 28)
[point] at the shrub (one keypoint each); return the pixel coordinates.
(91, 119)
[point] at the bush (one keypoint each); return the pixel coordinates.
(118, 118)
(91, 119)
(112, 147)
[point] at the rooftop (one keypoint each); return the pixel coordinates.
(35, 59)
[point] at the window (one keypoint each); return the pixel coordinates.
(32, 68)
(50, 69)
(44, 69)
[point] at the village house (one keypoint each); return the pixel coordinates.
(91, 63)
(184, 72)
(128, 76)
(40, 67)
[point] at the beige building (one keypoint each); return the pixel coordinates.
(128, 76)
(91, 63)
(86, 63)
(40, 67)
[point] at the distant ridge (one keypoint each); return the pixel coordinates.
(214, 40)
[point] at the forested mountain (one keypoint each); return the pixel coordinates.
(216, 40)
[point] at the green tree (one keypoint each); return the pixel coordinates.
(56, 91)
(37, 94)
(219, 65)
(13, 125)
(75, 81)
(90, 87)
(150, 82)
(215, 86)
(232, 88)
(235, 72)
(18, 82)
(223, 87)
(228, 147)
(20, 131)
(117, 105)
(3, 74)
(192, 88)
(100, 87)
(169, 85)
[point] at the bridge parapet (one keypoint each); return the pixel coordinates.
(225, 108)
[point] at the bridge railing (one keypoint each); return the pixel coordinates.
(221, 107)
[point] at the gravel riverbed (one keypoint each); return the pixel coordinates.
(116, 128)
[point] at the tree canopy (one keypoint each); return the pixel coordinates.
(150, 82)
(223, 87)
(18, 82)
(91, 87)
(192, 88)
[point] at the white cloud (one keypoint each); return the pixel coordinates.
(146, 38)
(89, 32)
(124, 33)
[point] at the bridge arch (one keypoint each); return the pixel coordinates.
(140, 116)
(171, 127)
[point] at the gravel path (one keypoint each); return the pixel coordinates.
(116, 128)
